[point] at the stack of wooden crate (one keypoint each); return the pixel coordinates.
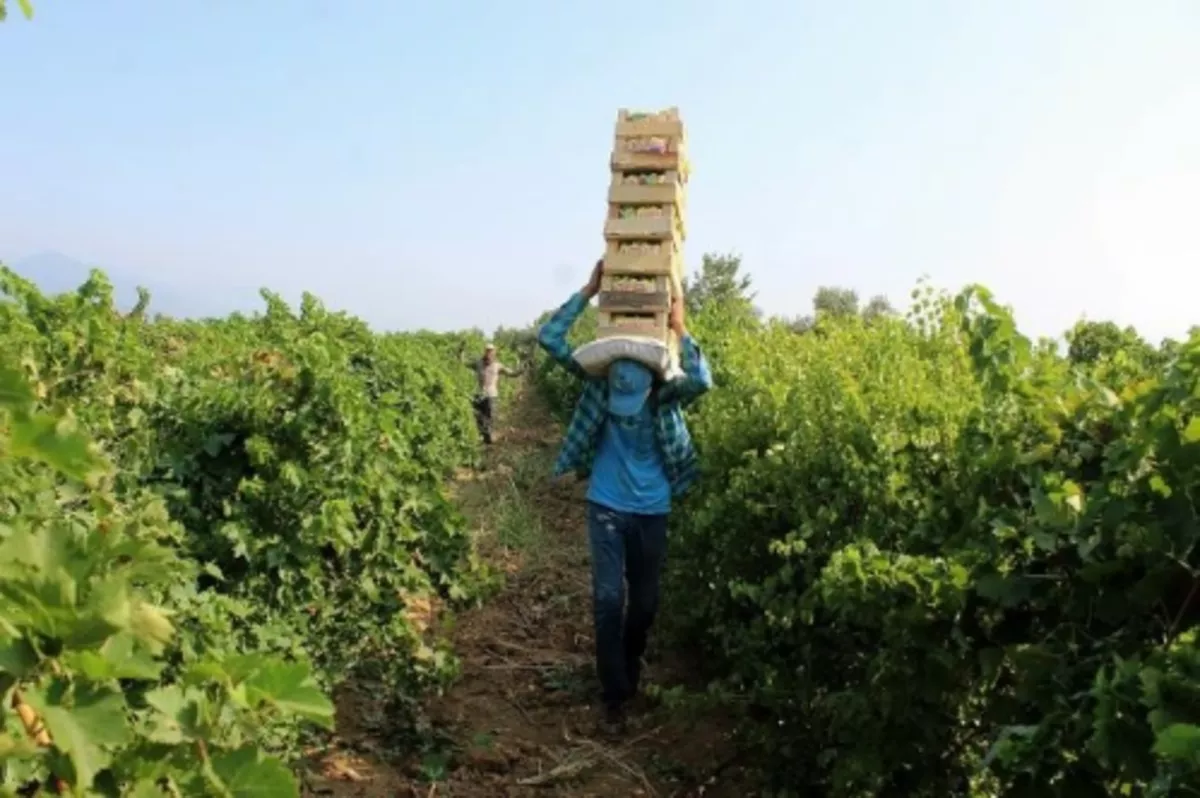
(645, 230)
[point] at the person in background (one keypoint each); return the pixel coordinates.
(487, 373)
(629, 436)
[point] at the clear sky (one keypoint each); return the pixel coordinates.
(444, 164)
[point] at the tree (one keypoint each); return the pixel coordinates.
(719, 282)
(521, 342)
(878, 306)
(1088, 342)
(834, 301)
(139, 310)
(801, 324)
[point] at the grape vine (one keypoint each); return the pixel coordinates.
(205, 526)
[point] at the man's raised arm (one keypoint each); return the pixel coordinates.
(697, 378)
(553, 335)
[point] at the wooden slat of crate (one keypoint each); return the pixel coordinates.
(646, 267)
(645, 228)
(634, 301)
(674, 141)
(652, 123)
(625, 161)
(650, 145)
(670, 193)
(643, 283)
(653, 325)
(666, 176)
(665, 285)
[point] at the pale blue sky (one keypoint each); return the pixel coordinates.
(445, 164)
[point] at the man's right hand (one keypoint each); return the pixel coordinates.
(593, 284)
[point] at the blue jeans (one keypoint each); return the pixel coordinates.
(625, 546)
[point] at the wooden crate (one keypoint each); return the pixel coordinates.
(661, 130)
(648, 324)
(644, 258)
(626, 160)
(636, 283)
(634, 302)
(668, 228)
(637, 292)
(665, 123)
(625, 189)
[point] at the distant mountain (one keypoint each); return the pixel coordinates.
(56, 273)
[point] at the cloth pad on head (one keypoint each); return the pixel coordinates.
(595, 357)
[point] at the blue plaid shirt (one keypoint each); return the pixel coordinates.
(583, 433)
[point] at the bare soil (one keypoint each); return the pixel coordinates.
(521, 719)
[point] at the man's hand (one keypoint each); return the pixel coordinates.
(592, 287)
(676, 318)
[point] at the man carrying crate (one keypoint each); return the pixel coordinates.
(628, 433)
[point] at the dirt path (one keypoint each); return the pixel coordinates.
(521, 719)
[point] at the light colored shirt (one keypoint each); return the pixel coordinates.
(488, 375)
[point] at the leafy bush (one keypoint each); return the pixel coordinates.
(272, 484)
(83, 643)
(930, 557)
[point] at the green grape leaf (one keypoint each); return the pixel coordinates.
(119, 658)
(145, 788)
(17, 656)
(15, 391)
(52, 441)
(246, 773)
(85, 724)
(290, 688)
(180, 714)
(1179, 741)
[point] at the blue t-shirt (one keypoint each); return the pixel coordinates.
(628, 474)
